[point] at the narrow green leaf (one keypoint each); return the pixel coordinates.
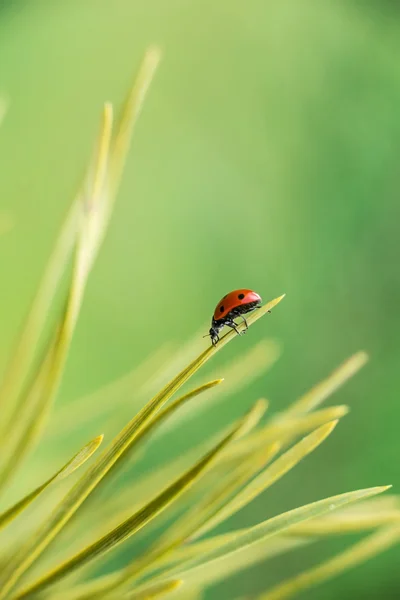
(188, 524)
(130, 115)
(159, 419)
(86, 250)
(310, 400)
(21, 360)
(365, 516)
(237, 374)
(259, 409)
(163, 414)
(98, 199)
(278, 469)
(74, 463)
(234, 563)
(137, 520)
(287, 428)
(36, 543)
(148, 485)
(276, 545)
(195, 569)
(20, 438)
(374, 544)
(220, 482)
(35, 405)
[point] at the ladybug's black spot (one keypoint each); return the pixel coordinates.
(221, 309)
(241, 296)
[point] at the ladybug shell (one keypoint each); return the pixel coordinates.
(234, 300)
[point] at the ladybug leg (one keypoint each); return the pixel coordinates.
(233, 325)
(245, 322)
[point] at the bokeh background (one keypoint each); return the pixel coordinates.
(267, 156)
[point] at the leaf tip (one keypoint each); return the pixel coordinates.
(331, 425)
(272, 303)
(383, 488)
(152, 57)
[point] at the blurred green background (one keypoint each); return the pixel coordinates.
(267, 156)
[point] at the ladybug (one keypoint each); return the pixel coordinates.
(235, 304)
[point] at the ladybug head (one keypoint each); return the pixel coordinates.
(213, 333)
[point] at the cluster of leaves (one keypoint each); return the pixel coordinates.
(56, 539)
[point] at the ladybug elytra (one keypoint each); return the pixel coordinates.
(235, 304)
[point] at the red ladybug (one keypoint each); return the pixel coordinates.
(235, 304)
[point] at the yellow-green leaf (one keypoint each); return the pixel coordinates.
(287, 429)
(92, 226)
(162, 416)
(234, 563)
(278, 469)
(22, 358)
(137, 520)
(258, 534)
(358, 553)
(310, 400)
(40, 539)
(237, 374)
(74, 463)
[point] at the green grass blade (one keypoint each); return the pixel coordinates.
(130, 115)
(364, 516)
(146, 486)
(163, 414)
(159, 419)
(223, 569)
(237, 374)
(24, 353)
(278, 469)
(287, 429)
(310, 400)
(220, 480)
(86, 250)
(20, 438)
(276, 545)
(98, 523)
(275, 526)
(23, 431)
(189, 523)
(94, 212)
(138, 519)
(374, 544)
(74, 463)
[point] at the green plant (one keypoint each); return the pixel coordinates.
(202, 489)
